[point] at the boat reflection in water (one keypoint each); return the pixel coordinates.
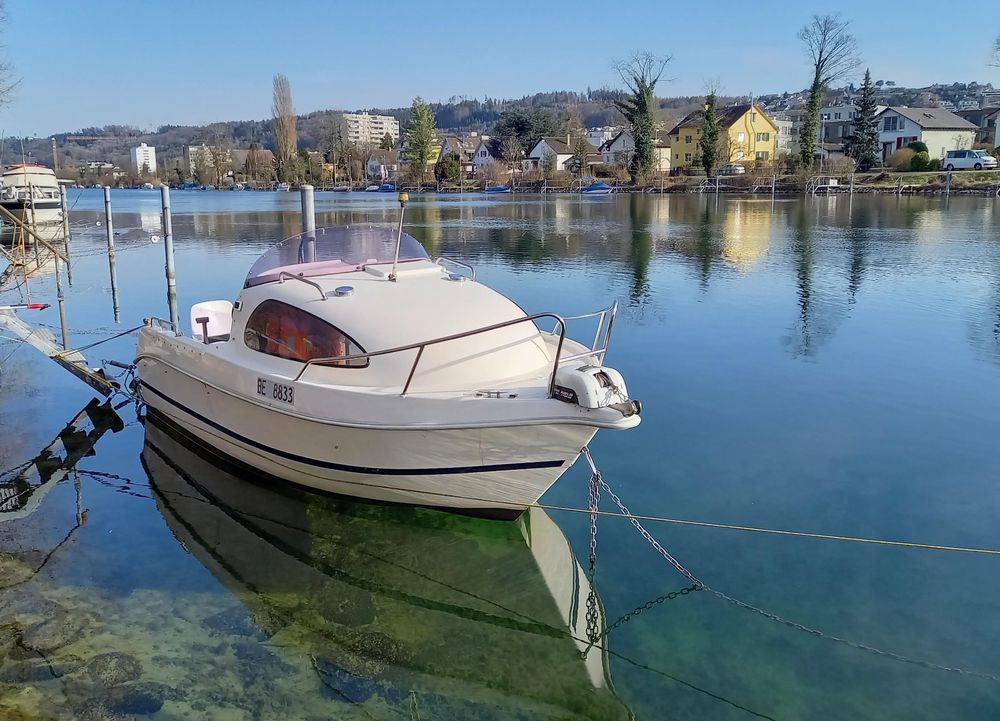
(433, 613)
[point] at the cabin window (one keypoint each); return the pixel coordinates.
(282, 330)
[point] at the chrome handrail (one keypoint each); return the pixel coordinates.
(162, 323)
(459, 263)
(419, 347)
(285, 274)
(599, 349)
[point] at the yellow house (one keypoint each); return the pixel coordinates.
(745, 134)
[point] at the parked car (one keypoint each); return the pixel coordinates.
(732, 169)
(969, 160)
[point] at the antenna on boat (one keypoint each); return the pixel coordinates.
(403, 198)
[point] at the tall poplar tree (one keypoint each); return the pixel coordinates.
(283, 122)
(866, 146)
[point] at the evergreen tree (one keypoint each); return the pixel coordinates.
(420, 137)
(709, 142)
(641, 75)
(865, 146)
(387, 142)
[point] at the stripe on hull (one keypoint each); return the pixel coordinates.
(331, 465)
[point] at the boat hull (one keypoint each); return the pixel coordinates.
(495, 471)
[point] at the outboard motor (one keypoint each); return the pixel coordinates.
(595, 387)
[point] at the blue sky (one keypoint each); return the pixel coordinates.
(150, 63)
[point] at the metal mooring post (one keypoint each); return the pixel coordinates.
(947, 184)
(852, 183)
(306, 194)
(66, 235)
(110, 228)
(62, 307)
(168, 252)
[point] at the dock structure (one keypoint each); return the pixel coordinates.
(42, 339)
(23, 491)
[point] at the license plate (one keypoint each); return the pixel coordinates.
(275, 391)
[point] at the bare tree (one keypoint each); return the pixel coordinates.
(8, 82)
(283, 122)
(833, 51)
(995, 56)
(640, 75)
(221, 158)
(512, 152)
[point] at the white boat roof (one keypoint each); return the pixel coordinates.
(340, 249)
(426, 302)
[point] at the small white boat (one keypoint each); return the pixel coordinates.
(31, 192)
(340, 369)
(372, 188)
(283, 187)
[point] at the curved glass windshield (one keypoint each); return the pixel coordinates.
(334, 250)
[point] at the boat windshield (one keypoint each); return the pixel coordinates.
(340, 249)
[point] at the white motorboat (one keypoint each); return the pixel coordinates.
(353, 363)
(31, 193)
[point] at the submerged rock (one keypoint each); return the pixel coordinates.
(235, 621)
(26, 672)
(125, 701)
(13, 570)
(53, 633)
(111, 669)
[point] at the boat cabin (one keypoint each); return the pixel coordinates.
(342, 308)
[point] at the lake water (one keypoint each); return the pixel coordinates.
(822, 365)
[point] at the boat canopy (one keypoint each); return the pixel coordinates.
(340, 249)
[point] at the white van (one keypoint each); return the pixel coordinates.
(969, 160)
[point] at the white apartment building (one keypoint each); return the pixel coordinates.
(365, 129)
(144, 158)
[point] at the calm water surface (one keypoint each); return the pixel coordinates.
(815, 365)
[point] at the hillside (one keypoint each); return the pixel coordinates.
(589, 109)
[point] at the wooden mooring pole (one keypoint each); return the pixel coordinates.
(110, 228)
(168, 251)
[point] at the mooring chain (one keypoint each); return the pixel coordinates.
(593, 501)
(647, 606)
(698, 585)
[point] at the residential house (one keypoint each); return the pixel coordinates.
(939, 129)
(563, 152)
(986, 120)
(462, 148)
(382, 165)
(618, 151)
(599, 136)
(263, 158)
(487, 151)
(787, 142)
(202, 157)
(746, 132)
